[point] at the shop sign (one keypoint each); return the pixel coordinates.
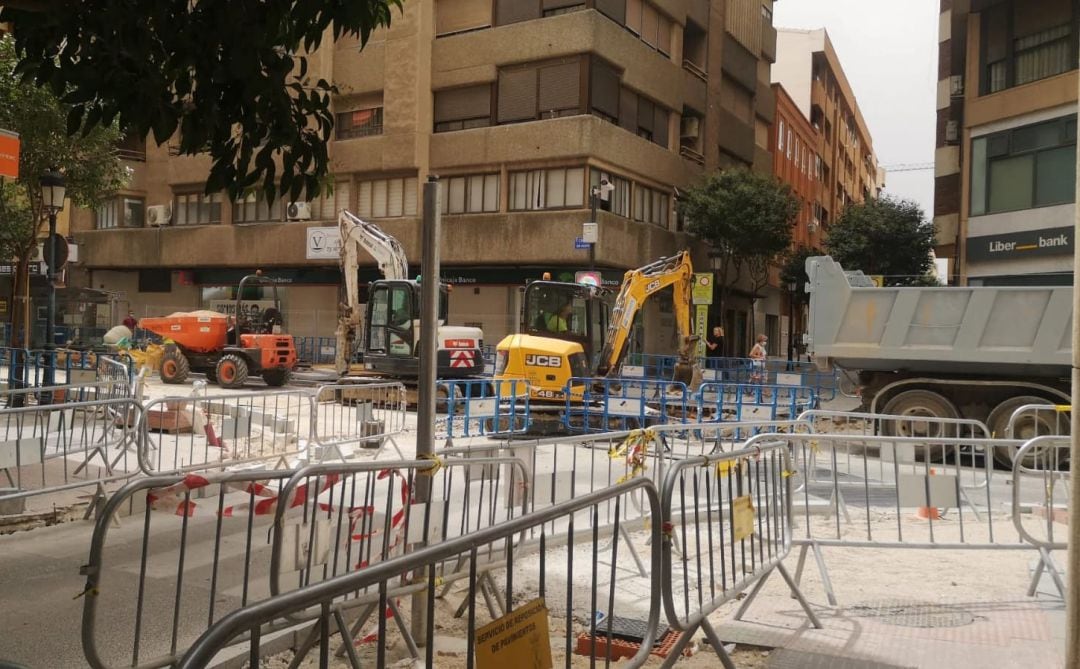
(1019, 245)
(323, 243)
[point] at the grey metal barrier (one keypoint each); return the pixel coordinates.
(209, 542)
(1040, 503)
(721, 402)
(365, 416)
(896, 492)
(1033, 420)
(543, 580)
(727, 521)
(61, 447)
(209, 431)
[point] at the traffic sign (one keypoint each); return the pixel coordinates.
(580, 243)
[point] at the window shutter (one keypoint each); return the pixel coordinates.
(663, 34)
(456, 195)
(556, 188)
(645, 114)
(605, 88)
(660, 127)
(411, 186)
(491, 192)
(517, 95)
(575, 187)
(633, 15)
(456, 104)
(614, 9)
(341, 196)
(560, 86)
(628, 110)
(363, 207)
(476, 193)
(649, 19)
(378, 199)
(395, 197)
(512, 11)
(453, 16)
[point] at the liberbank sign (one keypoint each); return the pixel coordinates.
(1020, 245)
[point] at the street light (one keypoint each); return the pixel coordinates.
(597, 193)
(53, 189)
(791, 287)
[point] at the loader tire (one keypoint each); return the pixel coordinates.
(174, 366)
(276, 378)
(232, 371)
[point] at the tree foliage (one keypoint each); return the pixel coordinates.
(90, 164)
(885, 236)
(227, 78)
(793, 271)
(746, 218)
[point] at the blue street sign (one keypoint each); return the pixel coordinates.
(580, 243)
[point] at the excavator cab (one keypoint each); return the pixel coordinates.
(567, 311)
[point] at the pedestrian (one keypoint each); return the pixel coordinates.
(715, 342)
(130, 323)
(757, 359)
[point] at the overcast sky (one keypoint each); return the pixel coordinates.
(888, 50)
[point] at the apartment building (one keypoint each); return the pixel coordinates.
(797, 162)
(520, 107)
(1005, 186)
(841, 155)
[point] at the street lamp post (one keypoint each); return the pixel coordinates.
(52, 199)
(597, 193)
(791, 324)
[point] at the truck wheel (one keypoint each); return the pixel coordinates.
(915, 404)
(232, 371)
(211, 375)
(174, 366)
(1031, 425)
(276, 377)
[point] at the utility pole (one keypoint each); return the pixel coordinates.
(429, 329)
(1072, 601)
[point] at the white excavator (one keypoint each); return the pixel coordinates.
(390, 336)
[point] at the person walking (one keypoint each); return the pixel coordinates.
(130, 323)
(757, 359)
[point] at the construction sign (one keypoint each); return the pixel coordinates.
(9, 154)
(701, 327)
(519, 639)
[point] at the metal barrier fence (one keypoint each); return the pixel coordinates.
(624, 403)
(1033, 420)
(315, 350)
(826, 383)
(364, 415)
(719, 402)
(727, 526)
(222, 540)
(1043, 463)
(27, 368)
(59, 447)
(530, 579)
(473, 408)
(205, 432)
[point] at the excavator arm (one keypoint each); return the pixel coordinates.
(639, 285)
(393, 264)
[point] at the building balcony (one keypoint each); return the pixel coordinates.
(695, 88)
(736, 136)
(768, 42)
(765, 102)
(533, 237)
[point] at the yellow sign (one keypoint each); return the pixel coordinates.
(743, 513)
(878, 279)
(519, 639)
(701, 327)
(702, 291)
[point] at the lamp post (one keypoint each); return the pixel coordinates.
(791, 323)
(597, 193)
(52, 199)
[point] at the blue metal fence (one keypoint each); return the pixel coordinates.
(623, 403)
(475, 408)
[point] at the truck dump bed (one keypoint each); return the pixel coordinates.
(1024, 330)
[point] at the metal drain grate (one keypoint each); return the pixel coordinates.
(908, 613)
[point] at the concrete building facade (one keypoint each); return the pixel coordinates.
(1005, 169)
(796, 162)
(841, 156)
(519, 107)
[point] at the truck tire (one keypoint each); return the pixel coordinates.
(276, 377)
(918, 404)
(232, 371)
(1032, 425)
(174, 366)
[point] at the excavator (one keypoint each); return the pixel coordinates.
(569, 331)
(391, 329)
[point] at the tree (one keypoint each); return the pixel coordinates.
(90, 164)
(886, 236)
(793, 271)
(230, 78)
(746, 218)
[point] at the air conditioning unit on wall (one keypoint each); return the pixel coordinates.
(299, 211)
(158, 215)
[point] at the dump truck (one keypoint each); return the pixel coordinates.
(226, 349)
(948, 352)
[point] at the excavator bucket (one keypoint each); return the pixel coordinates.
(687, 368)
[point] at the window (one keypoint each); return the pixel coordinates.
(643, 117)
(651, 206)
(618, 200)
(457, 16)
(559, 188)
(766, 14)
(386, 198)
(155, 281)
(327, 206)
(360, 123)
(789, 144)
(1044, 54)
(648, 23)
(254, 208)
(737, 100)
(780, 137)
(463, 108)
(538, 91)
(472, 194)
(197, 209)
(121, 212)
(604, 90)
(1023, 168)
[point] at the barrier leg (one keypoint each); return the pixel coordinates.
(303, 649)
(355, 629)
(633, 551)
(346, 640)
(717, 644)
(753, 595)
(393, 444)
(826, 582)
(799, 596)
(680, 646)
(801, 563)
(1046, 562)
(403, 629)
